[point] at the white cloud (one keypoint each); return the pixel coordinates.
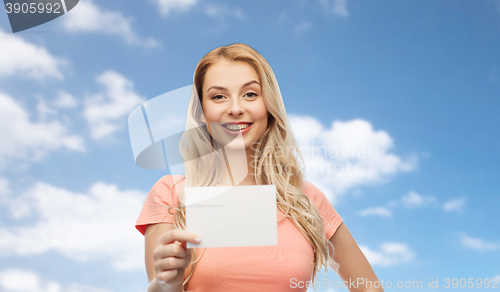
(4, 186)
(30, 141)
(83, 227)
(25, 59)
(105, 112)
(454, 205)
(410, 200)
(44, 111)
(17, 280)
(478, 244)
(167, 6)
(4, 190)
(222, 10)
(389, 254)
(88, 17)
(414, 200)
(64, 100)
(221, 14)
(302, 27)
(338, 7)
(347, 154)
(376, 211)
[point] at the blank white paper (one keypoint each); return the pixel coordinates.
(229, 216)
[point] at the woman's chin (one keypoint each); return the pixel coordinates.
(236, 145)
(231, 142)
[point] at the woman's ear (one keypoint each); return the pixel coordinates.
(202, 118)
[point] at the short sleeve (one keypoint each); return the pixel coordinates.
(330, 216)
(156, 206)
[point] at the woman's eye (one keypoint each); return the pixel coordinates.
(251, 94)
(218, 97)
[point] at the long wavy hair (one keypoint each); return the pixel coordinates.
(197, 149)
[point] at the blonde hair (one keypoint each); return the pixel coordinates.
(197, 148)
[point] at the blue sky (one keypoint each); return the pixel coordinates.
(418, 80)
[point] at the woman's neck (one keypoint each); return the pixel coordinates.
(239, 169)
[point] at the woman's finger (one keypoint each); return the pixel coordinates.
(179, 235)
(176, 250)
(170, 263)
(166, 276)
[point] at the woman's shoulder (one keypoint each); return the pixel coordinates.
(170, 180)
(331, 218)
(161, 197)
(314, 193)
(308, 188)
(166, 188)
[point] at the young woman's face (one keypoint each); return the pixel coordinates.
(233, 104)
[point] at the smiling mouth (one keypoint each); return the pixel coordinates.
(235, 127)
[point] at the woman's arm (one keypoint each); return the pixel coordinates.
(353, 263)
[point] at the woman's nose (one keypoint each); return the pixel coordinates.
(235, 108)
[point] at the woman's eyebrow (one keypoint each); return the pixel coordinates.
(223, 88)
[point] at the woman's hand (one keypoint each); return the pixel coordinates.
(171, 257)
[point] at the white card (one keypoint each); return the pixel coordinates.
(225, 216)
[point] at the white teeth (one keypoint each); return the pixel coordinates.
(234, 127)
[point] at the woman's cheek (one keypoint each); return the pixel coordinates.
(259, 112)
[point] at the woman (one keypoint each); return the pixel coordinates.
(241, 111)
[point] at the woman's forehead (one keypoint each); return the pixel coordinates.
(229, 74)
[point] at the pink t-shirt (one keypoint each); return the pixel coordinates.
(257, 268)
